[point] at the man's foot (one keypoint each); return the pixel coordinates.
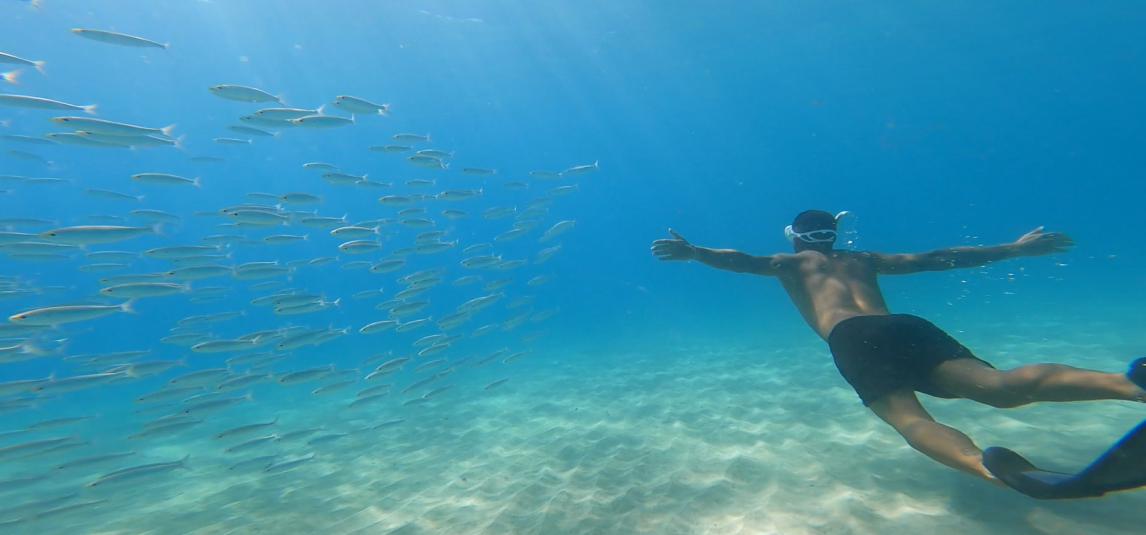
(1122, 467)
(1137, 373)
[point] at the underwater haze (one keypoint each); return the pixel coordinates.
(367, 267)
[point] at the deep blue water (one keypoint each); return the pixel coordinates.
(935, 124)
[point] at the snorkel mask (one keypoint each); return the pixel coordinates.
(815, 236)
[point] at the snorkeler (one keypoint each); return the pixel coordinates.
(887, 357)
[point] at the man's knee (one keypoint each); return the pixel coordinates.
(914, 431)
(1015, 387)
(986, 385)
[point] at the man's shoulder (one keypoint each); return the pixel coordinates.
(846, 255)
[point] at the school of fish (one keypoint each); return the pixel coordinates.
(192, 387)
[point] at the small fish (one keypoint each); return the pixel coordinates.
(498, 212)
(135, 290)
(582, 169)
(515, 185)
(428, 365)
(489, 357)
(454, 214)
(28, 140)
(434, 153)
(378, 326)
(367, 294)
(29, 156)
(251, 131)
(323, 121)
(57, 315)
(251, 443)
(156, 215)
(94, 460)
(391, 149)
(16, 60)
(93, 234)
(543, 315)
(287, 465)
(428, 162)
(298, 198)
(132, 141)
(360, 246)
(214, 405)
(266, 123)
(26, 449)
(223, 346)
(180, 251)
(120, 39)
(242, 381)
(368, 399)
(407, 309)
(280, 239)
(243, 93)
(458, 194)
(437, 391)
(510, 234)
(411, 325)
(480, 262)
(313, 374)
(478, 171)
(358, 105)
(37, 103)
(300, 433)
(410, 138)
(136, 472)
(353, 232)
(562, 190)
(256, 462)
(332, 387)
(496, 383)
(545, 254)
(100, 126)
(163, 179)
(285, 114)
(555, 230)
(319, 166)
(395, 200)
(231, 141)
(546, 175)
(322, 439)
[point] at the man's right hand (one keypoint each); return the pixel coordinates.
(1037, 242)
(677, 248)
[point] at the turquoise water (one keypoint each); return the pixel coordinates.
(641, 396)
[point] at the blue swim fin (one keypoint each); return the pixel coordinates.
(1122, 467)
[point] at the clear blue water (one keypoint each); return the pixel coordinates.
(937, 125)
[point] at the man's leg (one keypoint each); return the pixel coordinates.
(974, 380)
(946, 445)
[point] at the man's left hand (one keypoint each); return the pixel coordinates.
(1037, 242)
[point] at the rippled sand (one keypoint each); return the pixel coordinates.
(668, 440)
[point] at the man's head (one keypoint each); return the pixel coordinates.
(814, 230)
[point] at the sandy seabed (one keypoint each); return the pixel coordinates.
(691, 440)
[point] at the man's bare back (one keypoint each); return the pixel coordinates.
(887, 357)
(831, 285)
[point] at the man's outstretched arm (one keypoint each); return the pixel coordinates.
(678, 248)
(1033, 243)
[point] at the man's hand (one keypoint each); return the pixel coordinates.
(674, 249)
(1037, 242)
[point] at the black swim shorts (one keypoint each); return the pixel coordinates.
(880, 354)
